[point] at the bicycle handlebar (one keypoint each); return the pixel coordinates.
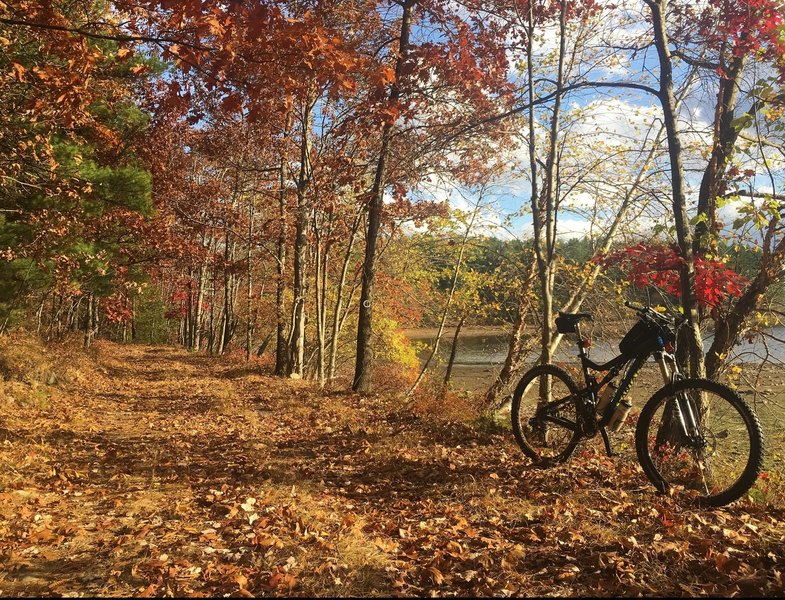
(648, 311)
(636, 307)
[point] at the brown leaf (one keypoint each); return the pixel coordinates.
(44, 535)
(435, 575)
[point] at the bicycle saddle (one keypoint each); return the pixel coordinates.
(566, 322)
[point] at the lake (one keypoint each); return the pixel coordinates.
(488, 347)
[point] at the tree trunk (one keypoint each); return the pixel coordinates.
(297, 360)
(451, 295)
(724, 142)
(211, 336)
(320, 280)
(517, 344)
(544, 207)
(249, 323)
(667, 99)
(364, 359)
(728, 329)
(40, 312)
(453, 350)
(579, 295)
(227, 317)
(196, 331)
(281, 345)
(133, 319)
(91, 320)
(336, 320)
(186, 322)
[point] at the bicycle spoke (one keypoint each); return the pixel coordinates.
(544, 414)
(718, 459)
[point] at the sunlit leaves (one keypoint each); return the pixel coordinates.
(198, 481)
(661, 266)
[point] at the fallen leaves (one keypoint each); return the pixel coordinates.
(328, 494)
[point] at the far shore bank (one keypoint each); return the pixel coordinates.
(423, 333)
(605, 329)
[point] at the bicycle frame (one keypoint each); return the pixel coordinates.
(678, 440)
(669, 370)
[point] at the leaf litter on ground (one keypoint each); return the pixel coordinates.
(176, 474)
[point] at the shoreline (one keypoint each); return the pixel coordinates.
(599, 331)
(766, 381)
(422, 333)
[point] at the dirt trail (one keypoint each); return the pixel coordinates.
(178, 474)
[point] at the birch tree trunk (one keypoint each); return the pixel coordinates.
(321, 257)
(336, 320)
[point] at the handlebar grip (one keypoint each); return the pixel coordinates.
(636, 307)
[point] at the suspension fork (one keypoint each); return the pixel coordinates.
(685, 414)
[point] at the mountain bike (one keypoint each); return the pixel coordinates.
(695, 435)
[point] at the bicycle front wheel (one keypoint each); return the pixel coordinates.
(718, 459)
(544, 414)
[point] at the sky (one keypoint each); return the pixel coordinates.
(606, 129)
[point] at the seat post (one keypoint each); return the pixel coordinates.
(581, 349)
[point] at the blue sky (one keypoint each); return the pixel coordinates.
(604, 118)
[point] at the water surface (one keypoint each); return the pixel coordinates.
(478, 348)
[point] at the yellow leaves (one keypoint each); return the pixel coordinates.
(385, 544)
(242, 581)
(214, 25)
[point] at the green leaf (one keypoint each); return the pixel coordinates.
(742, 122)
(699, 218)
(740, 222)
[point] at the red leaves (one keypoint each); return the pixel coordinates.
(117, 309)
(661, 266)
(749, 25)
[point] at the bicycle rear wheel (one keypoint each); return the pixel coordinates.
(544, 414)
(719, 461)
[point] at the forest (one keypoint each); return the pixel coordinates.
(274, 275)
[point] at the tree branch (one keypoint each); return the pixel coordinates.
(105, 36)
